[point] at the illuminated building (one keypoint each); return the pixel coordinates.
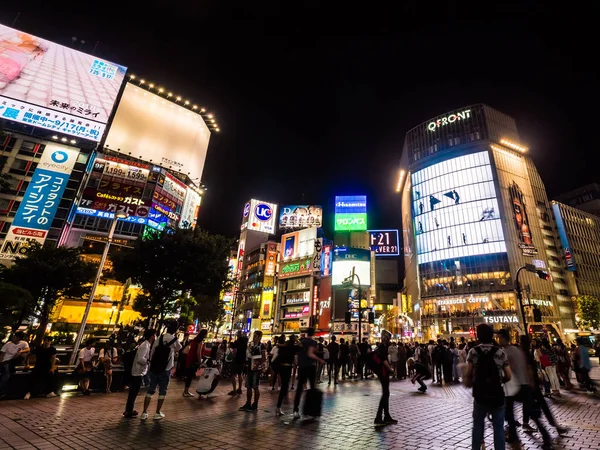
(586, 198)
(474, 210)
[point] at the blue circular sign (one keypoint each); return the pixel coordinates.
(246, 209)
(59, 156)
(263, 212)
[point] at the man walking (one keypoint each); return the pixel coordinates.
(256, 364)
(333, 365)
(382, 369)
(138, 370)
(162, 356)
(307, 368)
(487, 369)
(239, 360)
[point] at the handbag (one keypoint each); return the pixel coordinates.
(545, 361)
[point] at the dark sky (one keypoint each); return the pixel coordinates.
(314, 101)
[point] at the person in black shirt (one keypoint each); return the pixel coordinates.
(344, 357)
(239, 360)
(383, 372)
(307, 369)
(42, 375)
(332, 364)
(364, 348)
(285, 359)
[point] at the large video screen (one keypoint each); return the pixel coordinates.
(351, 213)
(49, 86)
(455, 209)
(155, 129)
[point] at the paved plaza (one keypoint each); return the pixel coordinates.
(439, 419)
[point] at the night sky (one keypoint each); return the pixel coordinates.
(314, 101)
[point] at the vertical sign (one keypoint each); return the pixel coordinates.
(40, 202)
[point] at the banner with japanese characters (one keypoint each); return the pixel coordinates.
(40, 202)
(47, 85)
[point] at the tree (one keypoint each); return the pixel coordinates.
(48, 273)
(171, 268)
(12, 301)
(589, 311)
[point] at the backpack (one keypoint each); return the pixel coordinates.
(160, 357)
(487, 384)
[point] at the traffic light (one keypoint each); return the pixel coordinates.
(472, 332)
(543, 275)
(348, 317)
(371, 317)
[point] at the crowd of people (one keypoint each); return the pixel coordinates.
(499, 373)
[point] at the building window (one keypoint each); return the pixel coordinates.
(18, 166)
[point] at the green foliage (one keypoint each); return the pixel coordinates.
(12, 301)
(49, 273)
(589, 311)
(174, 271)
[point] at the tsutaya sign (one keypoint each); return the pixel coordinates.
(450, 118)
(501, 319)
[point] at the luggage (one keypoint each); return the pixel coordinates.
(313, 403)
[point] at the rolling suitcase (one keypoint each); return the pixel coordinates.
(313, 403)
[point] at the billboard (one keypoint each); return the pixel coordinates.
(295, 268)
(455, 209)
(564, 238)
(158, 130)
(384, 242)
(49, 86)
(521, 220)
(40, 202)
(259, 216)
(271, 260)
(296, 217)
(298, 244)
(191, 207)
(345, 259)
(351, 213)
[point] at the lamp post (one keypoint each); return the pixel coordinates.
(541, 274)
(350, 280)
(111, 232)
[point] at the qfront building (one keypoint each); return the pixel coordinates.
(474, 211)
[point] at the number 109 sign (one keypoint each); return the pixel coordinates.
(384, 242)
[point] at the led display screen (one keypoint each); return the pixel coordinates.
(345, 259)
(455, 209)
(384, 242)
(49, 86)
(351, 213)
(296, 217)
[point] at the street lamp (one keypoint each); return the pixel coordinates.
(541, 274)
(111, 232)
(350, 281)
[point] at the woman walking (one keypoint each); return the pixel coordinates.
(563, 363)
(193, 360)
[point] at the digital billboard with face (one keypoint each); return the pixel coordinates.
(49, 86)
(351, 213)
(298, 244)
(158, 130)
(295, 217)
(345, 259)
(455, 209)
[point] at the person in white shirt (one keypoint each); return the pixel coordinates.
(209, 379)
(10, 352)
(108, 356)
(161, 364)
(84, 368)
(138, 370)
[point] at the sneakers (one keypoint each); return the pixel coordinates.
(188, 394)
(422, 389)
(253, 407)
(144, 416)
(296, 415)
(279, 412)
(129, 415)
(51, 395)
(234, 392)
(158, 416)
(246, 407)
(528, 428)
(562, 430)
(390, 421)
(27, 396)
(378, 422)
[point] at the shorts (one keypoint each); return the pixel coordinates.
(237, 368)
(253, 379)
(160, 379)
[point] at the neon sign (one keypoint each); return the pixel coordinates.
(451, 118)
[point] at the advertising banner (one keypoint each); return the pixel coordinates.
(47, 85)
(296, 268)
(345, 259)
(271, 262)
(326, 261)
(157, 129)
(40, 202)
(351, 213)
(521, 220)
(191, 207)
(298, 244)
(384, 242)
(564, 238)
(259, 216)
(297, 217)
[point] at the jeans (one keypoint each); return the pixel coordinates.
(510, 419)
(479, 414)
(285, 372)
(134, 390)
(304, 374)
(384, 402)
(41, 382)
(438, 372)
(333, 368)
(160, 379)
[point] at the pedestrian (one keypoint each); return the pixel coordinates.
(430, 350)
(419, 373)
(209, 379)
(239, 359)
(353, 359)
(437, 359)
(108, 357)
(584, 365)
(257, 359)
(344, 360)
(193, 359)
(333, 362)
(363, 349)
(180, 371)
(320, 354)
(401, 365)
(85, 366)
(455, 372)
(162, 360)
(447, 362)
(285, 356)
(307, 359)
(487, 369)
(393, 359)
(139, 369)
(9, 355)
(548, 361)
(563, 363)
(273, 355)
(42, 380)
(381, 367)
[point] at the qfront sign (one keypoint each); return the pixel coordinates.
(450, 118)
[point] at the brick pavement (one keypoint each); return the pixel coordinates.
(437, 420)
